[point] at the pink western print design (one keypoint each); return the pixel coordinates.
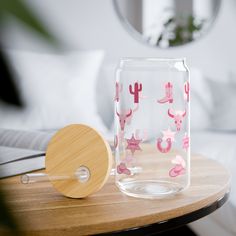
(135, 91)
(169, 138)
(169, 94)
(122, 169)
(133, 144)
(123, 117)
(185, 142)
(168, 134)
(128, 120)
(119, 88)
(178, 117)
(186, 91)
(166, 148)
(179, 168)
(163, 144)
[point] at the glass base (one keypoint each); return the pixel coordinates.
(150, 189)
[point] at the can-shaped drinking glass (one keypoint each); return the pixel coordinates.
(152, 128)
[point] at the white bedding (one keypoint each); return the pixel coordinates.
(57, 89)
(220, 147)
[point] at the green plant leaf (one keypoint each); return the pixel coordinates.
(20, 10)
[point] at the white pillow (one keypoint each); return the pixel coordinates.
(201, 101)
(223, 115)
(106, 80)
(57, 90)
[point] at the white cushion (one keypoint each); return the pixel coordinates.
(223, 115)
(201, 101)
(220, 146)
(58, 89)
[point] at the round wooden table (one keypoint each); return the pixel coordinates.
(43, 211)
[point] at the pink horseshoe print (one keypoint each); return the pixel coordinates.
(165, 149)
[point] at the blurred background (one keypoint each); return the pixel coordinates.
(61, 58)
(201, 31)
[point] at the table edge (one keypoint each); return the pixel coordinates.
(173, 223)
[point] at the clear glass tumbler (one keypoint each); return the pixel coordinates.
(152, 135)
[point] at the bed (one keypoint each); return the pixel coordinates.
(221, 147)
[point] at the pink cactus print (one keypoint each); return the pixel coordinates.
(119, 88)
(135, 91)
(186, 91)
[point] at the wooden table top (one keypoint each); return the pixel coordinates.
(41, 210)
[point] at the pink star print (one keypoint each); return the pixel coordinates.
(168, 134)
(133, 144)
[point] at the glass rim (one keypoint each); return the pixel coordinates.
(153, 59)
(129, 63)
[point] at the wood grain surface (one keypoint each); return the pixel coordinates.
(41, 210)
(76, 146)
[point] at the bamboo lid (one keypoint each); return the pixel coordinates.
(78, 161)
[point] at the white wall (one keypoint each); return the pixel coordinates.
(93, 24)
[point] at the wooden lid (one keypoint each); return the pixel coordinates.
(78, 161)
